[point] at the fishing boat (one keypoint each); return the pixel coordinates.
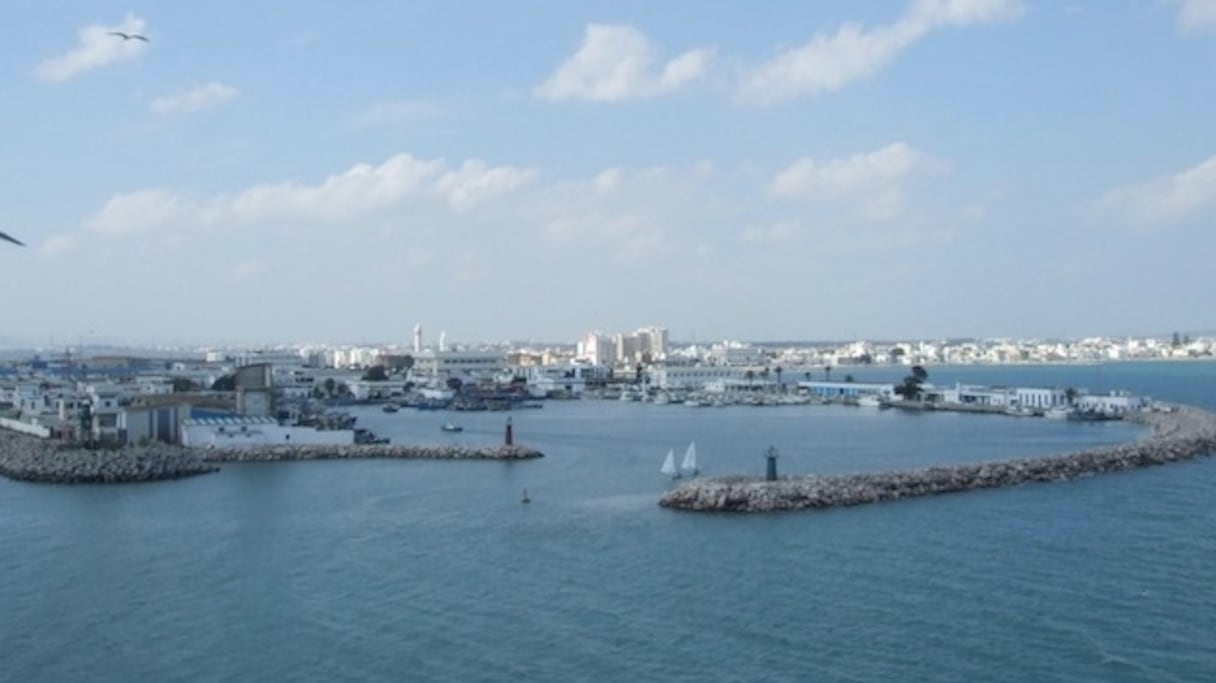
(525, 498)
(669, 465)
(390, 407)
(450, 426)
(689, 465)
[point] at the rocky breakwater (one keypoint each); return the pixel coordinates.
(26, 458)
(369, 451)
(1182, 434)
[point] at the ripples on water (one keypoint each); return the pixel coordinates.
(433, 571)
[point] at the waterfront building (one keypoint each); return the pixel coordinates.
(442, 364)
(237, 432)
(850, 390)
(669, 376)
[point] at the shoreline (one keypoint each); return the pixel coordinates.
(1183, 434)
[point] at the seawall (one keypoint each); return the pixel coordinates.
(1180, 435)
(26, 458)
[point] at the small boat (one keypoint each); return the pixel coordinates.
(869, 402)
(689, 465)
(525, 498)
(669, 465)
(390, 407)
(450, 426)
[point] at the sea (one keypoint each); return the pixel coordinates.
(435, 571)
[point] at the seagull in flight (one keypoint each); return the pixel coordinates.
(128, 36)
(5, 236)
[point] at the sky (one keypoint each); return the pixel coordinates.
(311, 171)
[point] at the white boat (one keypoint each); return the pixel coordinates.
(450, 426)
(690, 459)
(1058, 413)
(869, 402)
(669, 465)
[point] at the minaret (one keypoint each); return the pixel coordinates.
(418, 338)
(443, 341)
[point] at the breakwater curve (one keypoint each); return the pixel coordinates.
(1181, 434)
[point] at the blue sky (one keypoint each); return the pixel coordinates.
(318, 171)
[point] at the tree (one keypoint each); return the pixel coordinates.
(375, 373)
(827, 373)
(182, 385)
(1070, 395)
(454, 384)
(225, 383)
(848, 378)
(1176, 341)
(330, 386)
(910, 389)
(750, 375)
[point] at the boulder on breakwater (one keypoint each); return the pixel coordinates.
(1182, 434)
(368, 451)
(26, 458)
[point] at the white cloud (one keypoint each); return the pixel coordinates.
(831, 61)
(616, 63)
(781, 231)
(96, 48)
(138, 211)
(394, 114)
(474, 182)
(1167, 199)
(246, 271)
(59, 244)
(883, 169)
(194, 99)
(1196, 14)
(349, 195)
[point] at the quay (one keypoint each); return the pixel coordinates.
(1181, 434)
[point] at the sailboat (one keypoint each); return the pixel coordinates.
(690, 459)
(669, 465)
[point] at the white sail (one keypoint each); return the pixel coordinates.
(669, 464)
(690, 458)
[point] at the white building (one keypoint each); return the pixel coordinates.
(596, 348)
(431, 363)
(237, 432)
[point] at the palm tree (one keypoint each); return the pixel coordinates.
(750, 375)
(827, 373)
(1070, 395)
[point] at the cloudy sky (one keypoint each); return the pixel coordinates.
(292, 171)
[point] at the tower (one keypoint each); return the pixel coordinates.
(443, 340)
(418, 338)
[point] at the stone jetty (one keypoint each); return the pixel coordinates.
(26, 458)
(1180, 434)
(369, 451)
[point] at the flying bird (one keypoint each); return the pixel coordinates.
(5, 236)
(128, 36)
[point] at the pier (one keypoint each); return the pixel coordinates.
(1181, 434)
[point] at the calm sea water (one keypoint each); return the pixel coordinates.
(381, 570)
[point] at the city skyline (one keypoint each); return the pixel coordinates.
(898, 170)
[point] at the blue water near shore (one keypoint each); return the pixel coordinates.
(381, 570)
